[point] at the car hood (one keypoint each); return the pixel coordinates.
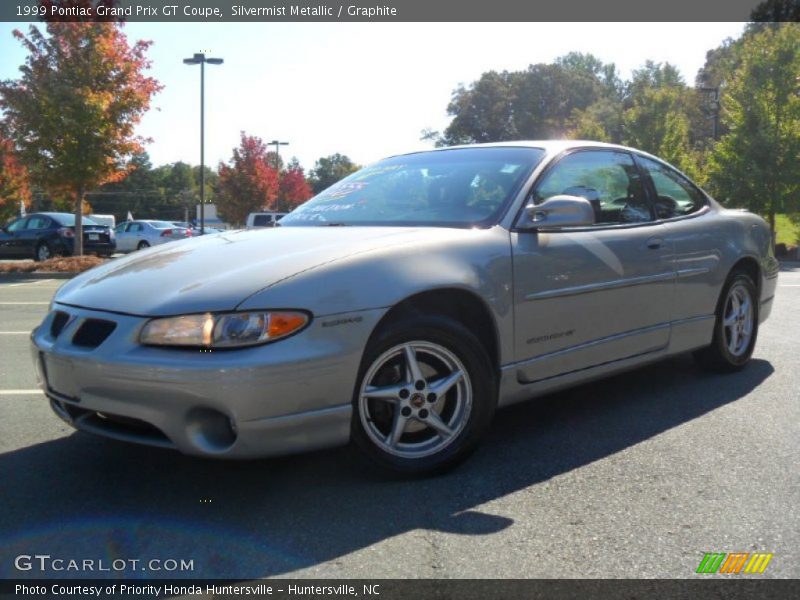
(218, 272)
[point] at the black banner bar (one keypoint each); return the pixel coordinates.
(221, 11)
(733, 587)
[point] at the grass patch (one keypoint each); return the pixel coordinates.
(786, 231)
(59, 264)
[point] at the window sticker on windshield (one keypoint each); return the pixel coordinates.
(343, 189)
(372, 171)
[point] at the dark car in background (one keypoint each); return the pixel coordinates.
(43, 235)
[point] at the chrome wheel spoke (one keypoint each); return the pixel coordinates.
(414, 370)
(434, 421)
(398, 427)
(730, 320)
(441, 386)
(733, 342)
(744, 307)
(389, 393)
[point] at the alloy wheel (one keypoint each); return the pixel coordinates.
(738, 320)
(415, 399)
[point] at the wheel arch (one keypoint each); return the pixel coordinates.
(748, 265)
(459, 304)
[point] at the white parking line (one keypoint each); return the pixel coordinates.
(14, 332)
(22, 303)
(19, 392)
(29, 282)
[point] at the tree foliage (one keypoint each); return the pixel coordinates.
(757, 163)
(14, 186)
(249, 182)
(73, 112)
(330, 169)
(294, 188)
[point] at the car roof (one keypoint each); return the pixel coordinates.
(549, 146)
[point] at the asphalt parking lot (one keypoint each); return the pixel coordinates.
(635, 476)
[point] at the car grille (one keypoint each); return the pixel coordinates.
(110, 425)
(93, 332)
(60, 319)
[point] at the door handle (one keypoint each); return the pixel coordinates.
(654, 243)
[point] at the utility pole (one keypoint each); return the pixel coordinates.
(200, 59)
(277, 145)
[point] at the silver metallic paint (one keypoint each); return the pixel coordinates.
(629, 294)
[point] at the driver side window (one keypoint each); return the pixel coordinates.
(609, 180)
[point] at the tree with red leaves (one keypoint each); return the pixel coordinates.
(14, 186)
(73, 112)
(294, 188)
(249, 183)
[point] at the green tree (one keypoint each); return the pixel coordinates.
(330, 169)
(757, 163)
(73, 112)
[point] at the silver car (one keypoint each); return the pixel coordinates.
(401, 306)
(137, 235)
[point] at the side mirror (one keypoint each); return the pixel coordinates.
(560, 211)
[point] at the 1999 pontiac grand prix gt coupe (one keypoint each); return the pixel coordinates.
(401, 306)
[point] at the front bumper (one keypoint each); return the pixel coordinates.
(290, 396)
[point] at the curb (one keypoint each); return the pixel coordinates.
(5, 277)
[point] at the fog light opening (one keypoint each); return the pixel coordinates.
(210, 430)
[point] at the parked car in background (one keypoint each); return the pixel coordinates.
(136, 235)
(206, 230)
(109, 220)
(263, 219)
(401, 306)
(43, 235)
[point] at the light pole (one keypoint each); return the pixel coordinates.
(200, 59)
(277, 145)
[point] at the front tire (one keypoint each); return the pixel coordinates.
(425, 395)
(735, 329)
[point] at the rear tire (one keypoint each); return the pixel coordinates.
(425, 396)
(142, 245)
(735, 328)
(43, 252)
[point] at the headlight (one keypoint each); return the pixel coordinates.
(230, 330)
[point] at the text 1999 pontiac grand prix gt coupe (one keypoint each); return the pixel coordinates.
(401, 306)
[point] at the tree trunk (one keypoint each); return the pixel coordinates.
(78, 243)
(772, 227)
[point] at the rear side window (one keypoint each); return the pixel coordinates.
(262, 220)
(676, 196)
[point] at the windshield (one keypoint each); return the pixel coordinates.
(464, 187)
(68, 220)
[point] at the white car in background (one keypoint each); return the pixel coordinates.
(263, 219)
(136, 235)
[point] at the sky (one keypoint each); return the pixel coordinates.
(366, 90)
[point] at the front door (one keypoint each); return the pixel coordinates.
(10, 240)
(586, 296)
